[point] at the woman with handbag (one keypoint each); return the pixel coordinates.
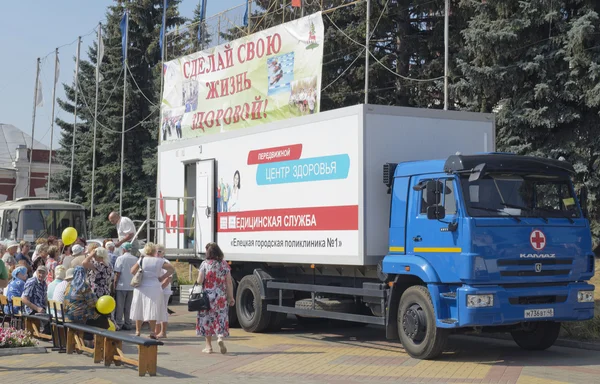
(214, 276)
(148, 304)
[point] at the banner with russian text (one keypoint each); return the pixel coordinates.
(268, 76)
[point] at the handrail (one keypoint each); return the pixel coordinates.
(161, 228)
(139, 230)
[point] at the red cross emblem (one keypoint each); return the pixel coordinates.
(537, 240)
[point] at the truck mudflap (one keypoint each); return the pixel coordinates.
(500, 305)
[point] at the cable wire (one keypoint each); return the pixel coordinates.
(138, 87)
(345, 70)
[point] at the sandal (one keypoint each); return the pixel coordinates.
(207, 350)
(222, 346)
(152, 336)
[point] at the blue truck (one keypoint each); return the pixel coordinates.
(475, 240)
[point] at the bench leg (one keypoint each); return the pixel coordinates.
(98, 348)
(147, 359)
(70, 341)
(110, 351)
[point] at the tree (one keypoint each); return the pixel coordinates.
(534, 63)
(141, 116)
(407, 39)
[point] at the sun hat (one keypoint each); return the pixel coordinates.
(77, 250)
(60, 272)
(69, 274)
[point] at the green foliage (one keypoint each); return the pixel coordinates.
(535, 64)
(141, 117)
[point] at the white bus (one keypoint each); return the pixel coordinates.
(32, 218)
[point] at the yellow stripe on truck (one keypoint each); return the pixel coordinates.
(439, 250)
(396, 249)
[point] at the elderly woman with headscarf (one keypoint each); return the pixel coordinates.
(100, 271)
(80, 302)
(16, 287)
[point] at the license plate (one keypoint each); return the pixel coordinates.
(537, 313)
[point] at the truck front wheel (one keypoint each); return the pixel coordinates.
(251, 310)
(416, 325)
(537, 336)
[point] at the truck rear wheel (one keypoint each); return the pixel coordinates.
(251, 310)
(416, 325)
(538, 336)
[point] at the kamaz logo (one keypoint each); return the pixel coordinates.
(538, 255)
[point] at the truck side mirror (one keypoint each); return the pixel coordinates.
(583, 200)
(436, 212)
(433, 190)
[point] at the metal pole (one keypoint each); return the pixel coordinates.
(219, 31)
(35, 96)
(162, 71)
(75, 121)
(95, 127)
(446, 32)
(283, 12)
(249, 14)
(301, 8)
(123, 123)
(367, 32)
(52, 120)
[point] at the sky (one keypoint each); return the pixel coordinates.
(35, 28)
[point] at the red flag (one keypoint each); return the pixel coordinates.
(296, 3)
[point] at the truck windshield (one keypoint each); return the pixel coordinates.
(520, 195)
(36, 223)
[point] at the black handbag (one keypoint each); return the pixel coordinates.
(198, 301)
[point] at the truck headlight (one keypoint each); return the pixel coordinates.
(585, 296)
(478, 301)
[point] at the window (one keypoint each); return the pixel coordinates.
(520, 195)
(448, 199)
(36, 223)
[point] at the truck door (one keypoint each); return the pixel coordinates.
(205, 203)
(426, 236)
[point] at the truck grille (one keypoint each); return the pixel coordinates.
(526, 300)
(535, 267)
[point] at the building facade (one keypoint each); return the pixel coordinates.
(15, 168)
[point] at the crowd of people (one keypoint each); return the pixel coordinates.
(77, 275)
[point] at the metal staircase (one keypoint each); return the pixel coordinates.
(171, 230)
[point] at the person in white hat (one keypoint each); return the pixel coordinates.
(59, 291)
(77, 251)
(60, 273)
(9, 256)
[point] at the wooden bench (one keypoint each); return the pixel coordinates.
(108, 346)
(17, 318)
(5, 317)
(33, 325)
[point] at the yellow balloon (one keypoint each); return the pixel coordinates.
(105, 304)
(69, 235)
(111, 325)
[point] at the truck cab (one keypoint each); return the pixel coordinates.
(492, 241)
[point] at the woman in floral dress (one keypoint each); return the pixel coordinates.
(215, 273)
(100, 271)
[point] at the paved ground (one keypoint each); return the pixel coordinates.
(314, 354)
